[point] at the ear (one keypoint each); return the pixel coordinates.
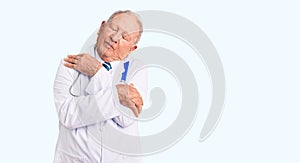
(101, 26)
(133, 48)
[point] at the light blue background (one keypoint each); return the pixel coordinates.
(258, 43)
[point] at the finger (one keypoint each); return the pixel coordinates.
(78, 56)
(134, 101)
(69, 65)
(141, 102)
(131, 84)
(138, 103)
(139, 107)
(70, 60)
(72, 56)
(134, 94)
(135, 111)
(128, 103)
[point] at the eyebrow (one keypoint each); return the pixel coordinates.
(111, 25)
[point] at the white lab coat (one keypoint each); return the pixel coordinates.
(84, 120)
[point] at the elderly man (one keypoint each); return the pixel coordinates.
(83, 92)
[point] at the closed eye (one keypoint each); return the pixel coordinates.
(126, 37)
(114, 28)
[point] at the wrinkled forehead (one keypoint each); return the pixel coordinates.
(125, 22)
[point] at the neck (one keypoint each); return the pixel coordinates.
(103, 58)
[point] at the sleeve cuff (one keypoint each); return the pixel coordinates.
(99, 81)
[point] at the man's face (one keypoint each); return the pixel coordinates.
(116, 38)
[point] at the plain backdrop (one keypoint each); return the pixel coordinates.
(258, 43)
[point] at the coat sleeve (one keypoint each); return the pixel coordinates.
(138, 77)
(97, 104)
(74, 112)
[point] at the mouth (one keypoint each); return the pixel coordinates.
(108, 45)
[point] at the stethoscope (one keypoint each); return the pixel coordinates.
(70, 89)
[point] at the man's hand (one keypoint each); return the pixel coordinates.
(83, 63)
(130, 97)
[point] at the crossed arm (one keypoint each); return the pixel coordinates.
(88, 65)
(88, 109)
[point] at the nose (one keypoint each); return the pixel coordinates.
(114, 37)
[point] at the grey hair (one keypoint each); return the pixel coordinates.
(133, 14)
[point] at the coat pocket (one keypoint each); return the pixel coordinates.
(63, 157)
